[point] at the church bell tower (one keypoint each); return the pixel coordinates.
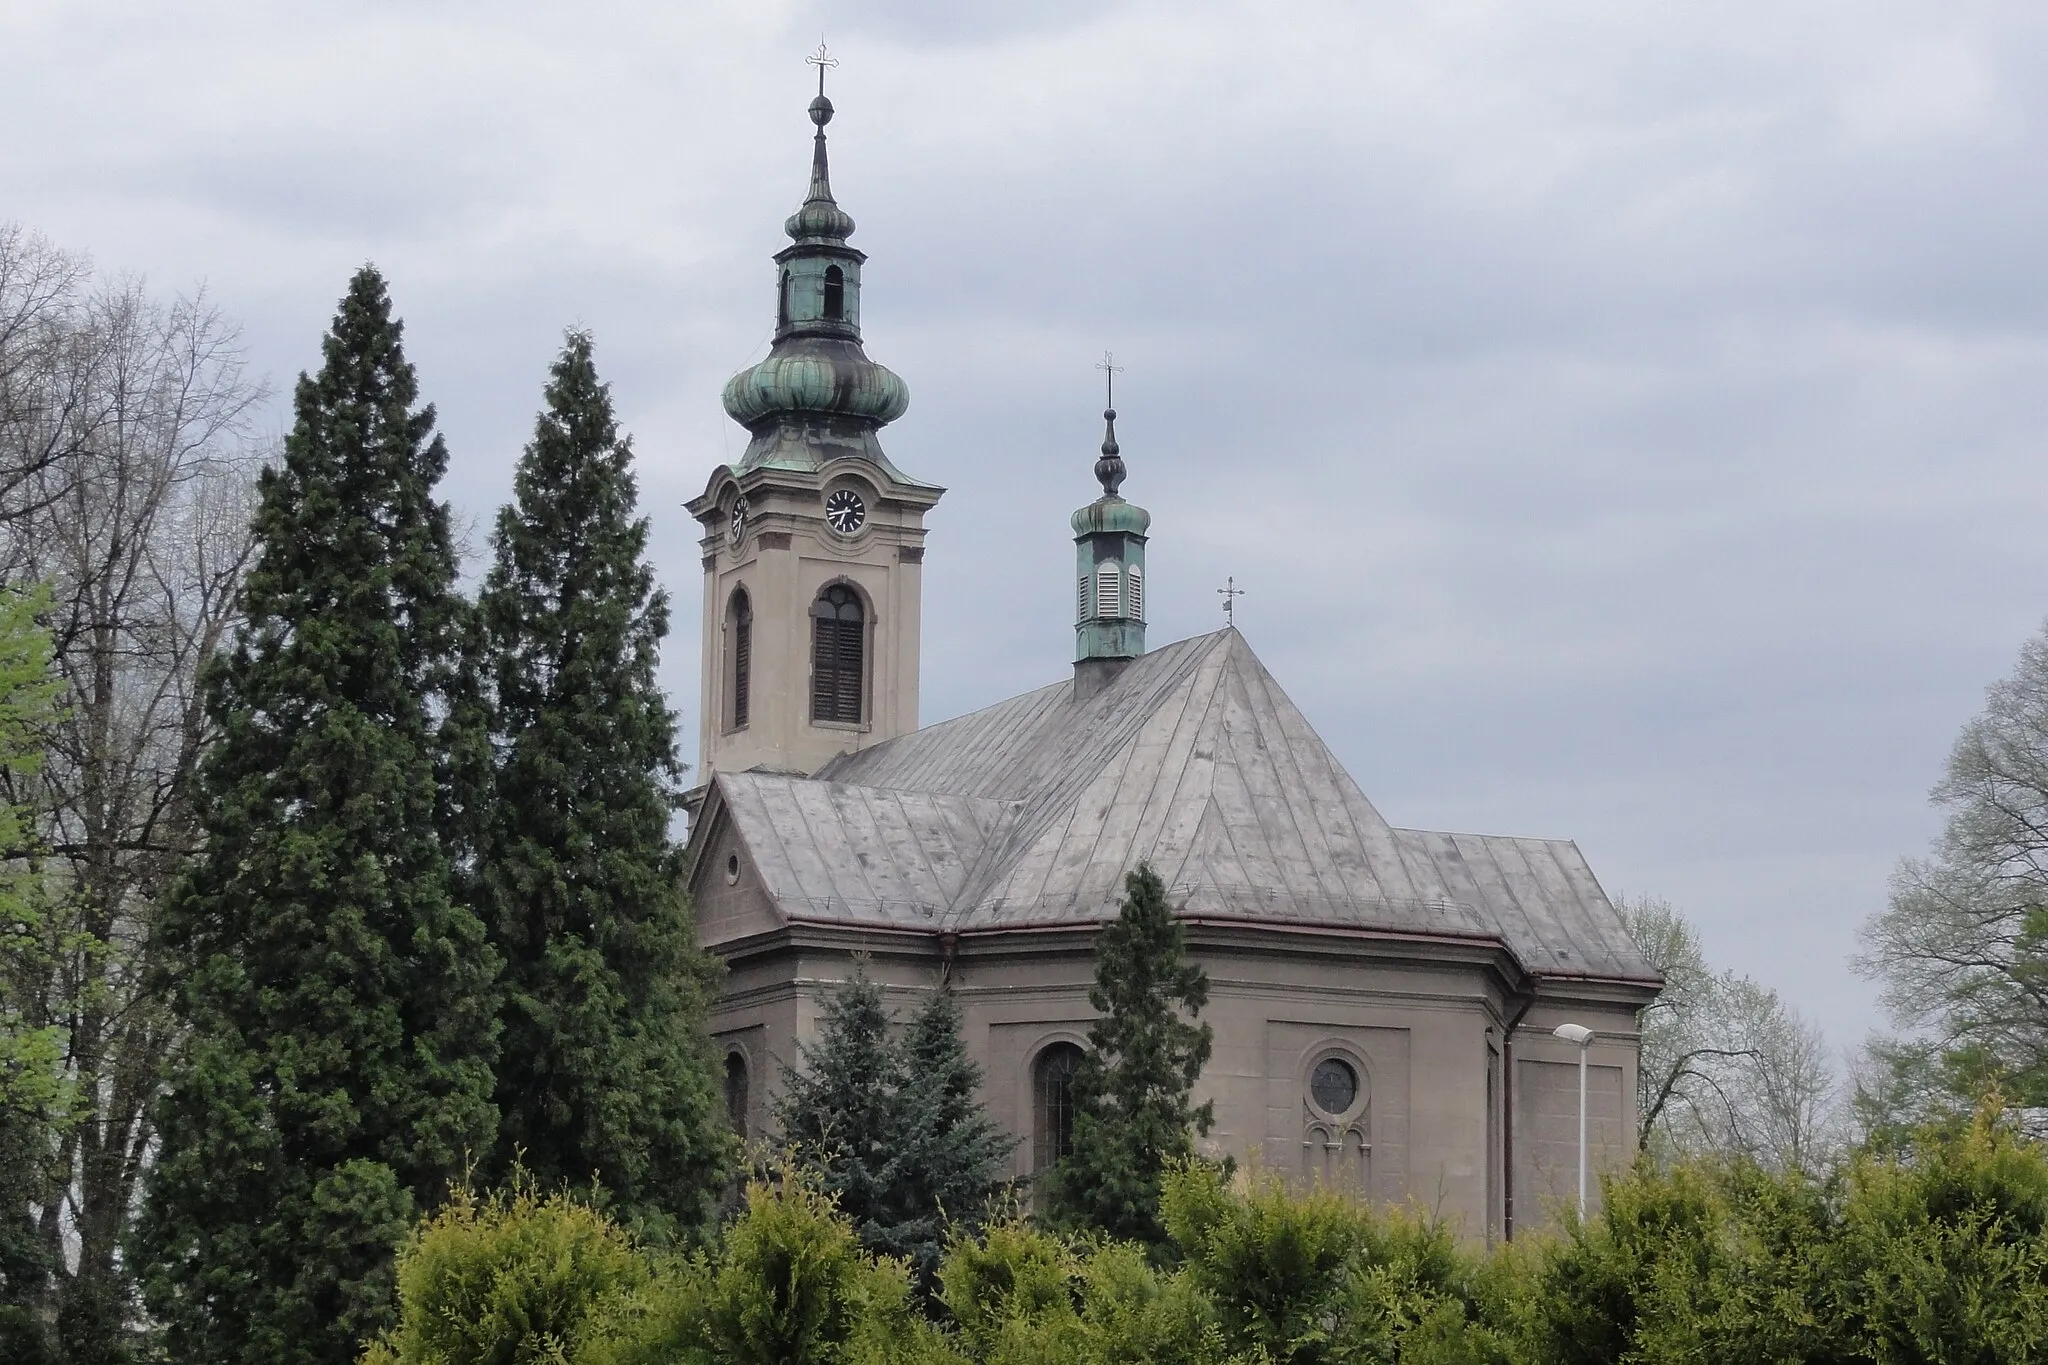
(813, 543)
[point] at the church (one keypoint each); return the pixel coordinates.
(1383, 999)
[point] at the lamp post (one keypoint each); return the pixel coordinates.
(1583, 1036)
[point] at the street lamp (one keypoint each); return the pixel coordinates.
(1583, 1036)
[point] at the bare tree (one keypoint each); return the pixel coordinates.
(141, 528)
(1962, 949)
(47, 366)
(1726, 1064)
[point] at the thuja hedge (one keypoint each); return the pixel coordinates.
(1939, 1253)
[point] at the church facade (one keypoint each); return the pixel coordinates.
(1383, 999)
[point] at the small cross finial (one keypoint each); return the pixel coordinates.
(1110, 370)
(1230, 592)
(822, 60)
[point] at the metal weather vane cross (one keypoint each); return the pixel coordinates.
(823, 60)
(1230, 593)
(1110, 370)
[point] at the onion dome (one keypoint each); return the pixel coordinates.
(840, 381)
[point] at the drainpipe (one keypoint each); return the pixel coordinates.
(1507, 1117)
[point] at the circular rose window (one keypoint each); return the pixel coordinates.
(1333, 1085)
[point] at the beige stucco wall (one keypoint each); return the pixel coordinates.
(786, 558)
(1431, 1128)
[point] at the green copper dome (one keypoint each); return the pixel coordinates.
(1112, 514)
(826, 375)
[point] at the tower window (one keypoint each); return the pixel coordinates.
(838, 655)
(1108, 591)
(1135, 591)
(782, 302)
(1052, 1104)
(740, 642)
(835, 292)
(1081, 596)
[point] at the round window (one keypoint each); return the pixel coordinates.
(1333, 1085)
(732, 867)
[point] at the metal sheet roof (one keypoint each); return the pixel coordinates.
(1193, 759)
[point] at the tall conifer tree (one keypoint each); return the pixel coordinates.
(339, 999)
(1131, 1109)
(606, 1072)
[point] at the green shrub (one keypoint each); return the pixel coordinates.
(1937, 1252)
(1943, 1256)
(1412, 1294)
(508, 1280)
(1270, 1259)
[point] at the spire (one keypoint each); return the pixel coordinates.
(1109, 470)
(816, 396)
(820, 219)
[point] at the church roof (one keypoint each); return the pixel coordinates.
(1030, 812)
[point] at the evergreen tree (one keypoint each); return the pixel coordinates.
(949, 1155)
(1131, 1110)
(896, 1131)
(606, 1072)
(38, 1101)
(338, 999)
(838, 1111)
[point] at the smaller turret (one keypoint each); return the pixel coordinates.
(1109, 542)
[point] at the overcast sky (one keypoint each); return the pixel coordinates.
(1626, 420)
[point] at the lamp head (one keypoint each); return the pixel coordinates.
(1573, 1033)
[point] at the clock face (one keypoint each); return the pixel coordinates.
(737, 527)
(845, 512)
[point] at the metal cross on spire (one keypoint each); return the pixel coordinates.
(1110, 370)
(822, 60)
(1230, 593)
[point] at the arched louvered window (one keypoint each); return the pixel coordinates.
(1134, 592)
(835, 292)
(1052, 1104)
(838, 655)
(1081, 598)
(782, 302)
(739, 640)
(737, 1095)
(1109, 597)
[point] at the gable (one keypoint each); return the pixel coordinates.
(727, 895)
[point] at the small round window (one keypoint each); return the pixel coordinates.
(1333, 1085)
(732, 867)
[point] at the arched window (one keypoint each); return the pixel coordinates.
(782, 302)
(1108, 591)
(1052, 1104)
(1134, 593)
(1081, 598)
(739, 635)
(835, 292)
(838, 655)
(736, 1092)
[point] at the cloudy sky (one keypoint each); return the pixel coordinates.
(1627, 420)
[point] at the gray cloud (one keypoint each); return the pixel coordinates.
(1626, 420)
